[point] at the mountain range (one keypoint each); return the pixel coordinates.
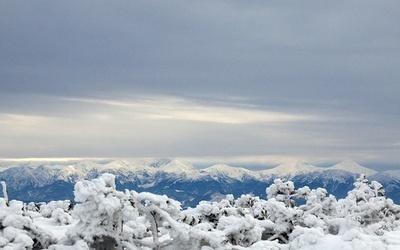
(54, 180)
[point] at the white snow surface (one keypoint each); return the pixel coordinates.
(179, 167)
(152, 166)
(223, 170)
(353, 167)
(290, 169)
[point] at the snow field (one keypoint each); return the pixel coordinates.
(104, 218)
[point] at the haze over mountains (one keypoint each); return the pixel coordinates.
(179, 179)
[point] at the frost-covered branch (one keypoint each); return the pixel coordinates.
(5, 193)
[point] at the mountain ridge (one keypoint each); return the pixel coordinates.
(155, 164)
(179, 179)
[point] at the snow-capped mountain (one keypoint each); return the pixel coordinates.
(290, 169)
(179, 179)
(354, 167)
(225, 171)
(181, 168)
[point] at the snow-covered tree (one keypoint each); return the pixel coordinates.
(367, 205)
(282, 191)
(99, 212)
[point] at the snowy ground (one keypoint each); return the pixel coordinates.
(352, 240)
(105, 218)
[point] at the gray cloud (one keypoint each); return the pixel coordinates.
(337, 61)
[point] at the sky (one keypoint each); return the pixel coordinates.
(245, 82)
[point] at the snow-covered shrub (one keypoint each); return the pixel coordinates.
(239, 220)
(254, 206)
(207, 213)
(285, 215)
(61, 217)
(159, 210)
(282, 191)
(317, 209)
(284, 219)
(365, 208)
(367, 205)
(242, 231)
(58, 210)
(99, 213)
(18, 230)
(33, 207)
(46, 210)
(364, 190)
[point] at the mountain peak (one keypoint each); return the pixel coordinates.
(229, 171)
(178, 167)
(291, 169)
(353, 167)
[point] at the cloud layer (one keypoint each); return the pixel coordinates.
(268, 81)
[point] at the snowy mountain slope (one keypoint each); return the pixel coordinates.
(122, 164)
(77, 171)
(151, 167)
(223, 171)
(289, 169)
(353, 167)
(19, 177)
(393, 173)
(180, 167)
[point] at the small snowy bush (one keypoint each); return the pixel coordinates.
(18, 230)
(99, 212)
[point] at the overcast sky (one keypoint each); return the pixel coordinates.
(251, 82)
